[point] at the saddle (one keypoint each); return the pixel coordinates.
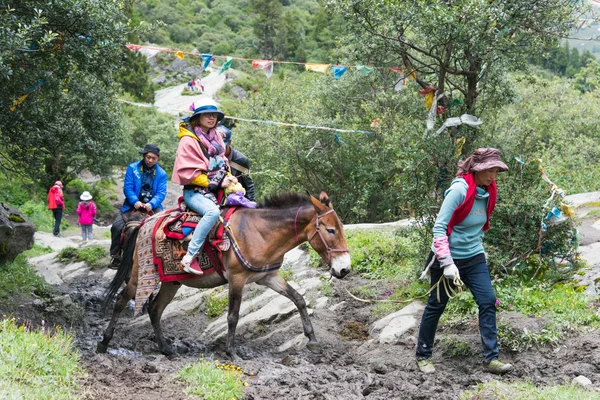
(171, 236)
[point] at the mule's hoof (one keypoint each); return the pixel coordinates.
(314, 347)
(168, 351)
(101, 347)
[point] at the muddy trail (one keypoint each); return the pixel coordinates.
(356, 359)
(272, 352)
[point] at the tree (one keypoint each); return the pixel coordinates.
(457, 46)
(267, 13)
(134, 77)
(57, 61)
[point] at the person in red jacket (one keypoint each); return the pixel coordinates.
(56, 203)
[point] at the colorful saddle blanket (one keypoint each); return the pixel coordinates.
(171, 237)
(159, 256)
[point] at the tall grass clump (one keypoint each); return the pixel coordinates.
(212, 380)
(18, 277)
(37, 364)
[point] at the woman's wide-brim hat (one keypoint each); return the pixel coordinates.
(204, 108)
(85, 196)
(487, 158)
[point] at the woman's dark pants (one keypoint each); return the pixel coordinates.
(477, 279)
(57, 212)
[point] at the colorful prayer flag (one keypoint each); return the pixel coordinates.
(265, 65)
(322, 68)
(227, 65)
(364, 69)
(133, 47)
(179, 55)
(338, 71)
(18, 101)
(207, 59)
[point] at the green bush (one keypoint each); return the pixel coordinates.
(516, 232)
(101, 191)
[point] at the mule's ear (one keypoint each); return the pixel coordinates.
(319, 206)
(323, 198)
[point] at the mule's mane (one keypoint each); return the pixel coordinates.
(285, 200)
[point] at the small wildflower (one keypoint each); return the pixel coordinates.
(497, 302)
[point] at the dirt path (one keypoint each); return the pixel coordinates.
(171, 101)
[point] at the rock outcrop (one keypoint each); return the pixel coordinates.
(16, 233)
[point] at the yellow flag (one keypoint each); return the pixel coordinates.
(429, 99)
(317, 67)
(460, 142)
(179, 55)
(18, 101)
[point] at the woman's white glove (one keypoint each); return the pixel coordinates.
(450, 271)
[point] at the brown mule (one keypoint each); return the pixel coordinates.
(261, 237)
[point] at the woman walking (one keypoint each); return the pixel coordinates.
(457, 251)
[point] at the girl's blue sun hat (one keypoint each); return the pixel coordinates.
(203, 109)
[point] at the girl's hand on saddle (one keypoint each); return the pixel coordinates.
(229, 180)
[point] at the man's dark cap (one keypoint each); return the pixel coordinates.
(151, 148)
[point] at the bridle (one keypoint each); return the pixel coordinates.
(318, 225)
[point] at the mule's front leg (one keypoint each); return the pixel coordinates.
(236, 287)
(280, 285)
(163, 298)
(126, 294)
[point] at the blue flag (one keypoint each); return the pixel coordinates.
(207, 59)
(338, 71)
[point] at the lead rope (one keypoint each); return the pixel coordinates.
(444, 282)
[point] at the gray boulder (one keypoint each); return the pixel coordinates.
(239, 92)
(160, 79)
(16, 233)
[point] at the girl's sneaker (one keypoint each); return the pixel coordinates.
(186, 261)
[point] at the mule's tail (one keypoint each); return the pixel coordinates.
(124, 272)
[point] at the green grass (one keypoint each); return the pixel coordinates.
(453, 347)
(18, 277)
(212, 380)
(286, 273)
(325, 286)
(562, 303)
(216, 303)
(36, 364)
(92, 255)
(37, 250)
(527, 391)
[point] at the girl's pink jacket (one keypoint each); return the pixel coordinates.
(87, 212)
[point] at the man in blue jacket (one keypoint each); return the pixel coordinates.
(145, 189)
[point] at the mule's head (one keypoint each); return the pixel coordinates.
(328, 240)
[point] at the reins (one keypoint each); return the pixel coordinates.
(443, 281)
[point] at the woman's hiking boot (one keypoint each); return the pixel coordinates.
(426, 366)
(497, 367)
